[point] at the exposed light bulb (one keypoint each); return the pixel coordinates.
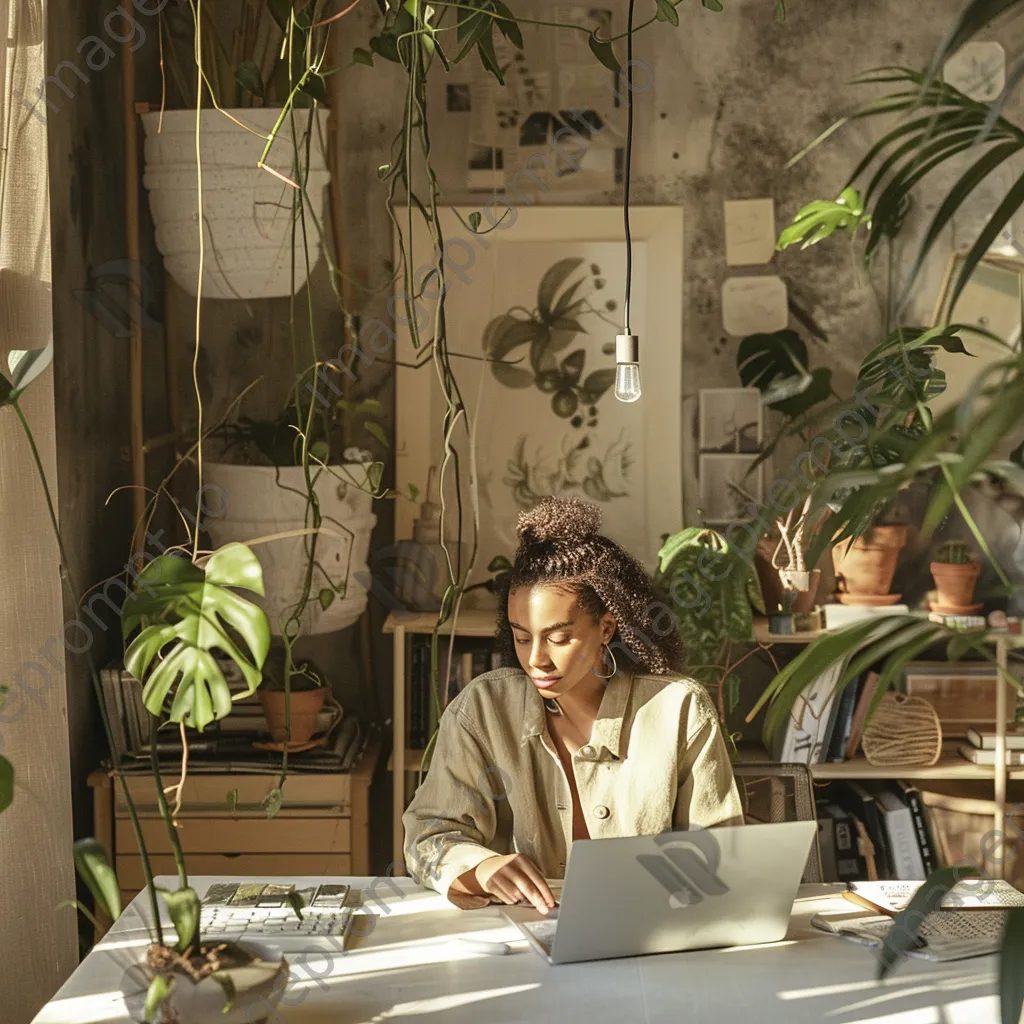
(627, 367)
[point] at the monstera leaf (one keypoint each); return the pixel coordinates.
(185, 612)
(823, 217)
(776, 364)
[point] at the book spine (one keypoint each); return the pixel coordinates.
(921, 830)
(906, 856)
(841, 727)
(827, 848)
(111, 682)
(849, 866)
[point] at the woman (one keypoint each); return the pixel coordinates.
(595, 735)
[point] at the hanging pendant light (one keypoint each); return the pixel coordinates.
(627, 345)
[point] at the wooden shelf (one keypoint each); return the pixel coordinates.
(763, 636)
(949, 766)
(471, 622)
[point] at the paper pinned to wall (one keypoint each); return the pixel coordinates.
(754, 305)
(555, 118)
(749, 231)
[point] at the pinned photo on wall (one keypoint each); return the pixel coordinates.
(731, 420)
(730, 486)
(749, 231)
(486, 170)
(754, 305)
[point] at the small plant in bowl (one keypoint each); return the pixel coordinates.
(955, 571)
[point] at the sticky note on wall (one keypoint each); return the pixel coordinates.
(749, 231)
(754, 305)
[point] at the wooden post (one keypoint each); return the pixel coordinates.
(131, 207)
(999, 824)
(398, 750)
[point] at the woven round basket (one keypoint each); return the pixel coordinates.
(904, 733)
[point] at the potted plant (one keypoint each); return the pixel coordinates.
(313, 566)
(865, 565)
(291, 712)
(955, 571)
(253, 149)
(182, 608)
(788, 586)
(714, 592)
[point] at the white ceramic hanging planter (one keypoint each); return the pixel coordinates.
(247, 210)
(258, 503)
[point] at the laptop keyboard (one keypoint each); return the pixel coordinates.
(542, 931)
(235, 922)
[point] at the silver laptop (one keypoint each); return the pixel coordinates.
(670, 892)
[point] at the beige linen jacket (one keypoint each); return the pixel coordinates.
(656, 762)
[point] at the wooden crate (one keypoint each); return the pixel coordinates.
(322, 828)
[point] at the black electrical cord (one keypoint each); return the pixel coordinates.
(627, 158)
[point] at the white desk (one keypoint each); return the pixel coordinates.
(411, 967)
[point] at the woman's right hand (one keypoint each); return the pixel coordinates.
(512, 878)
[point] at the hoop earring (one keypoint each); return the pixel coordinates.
(615, 667)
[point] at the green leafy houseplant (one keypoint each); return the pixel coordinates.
(181, 610)
(714, 592)
(951, 451)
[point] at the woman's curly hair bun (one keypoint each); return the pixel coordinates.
(559, 519)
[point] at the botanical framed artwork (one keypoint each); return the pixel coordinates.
(532, 311)
(729, 486)
(730, 420)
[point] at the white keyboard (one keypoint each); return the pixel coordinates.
(236, 922)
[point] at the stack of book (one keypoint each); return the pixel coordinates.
(226, 745)
(981, 746)
(874, 830)
(824, 726)
(472, 657)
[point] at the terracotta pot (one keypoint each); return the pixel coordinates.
(955, 583)
(866, 566)
(305, 706)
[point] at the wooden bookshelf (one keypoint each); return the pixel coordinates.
(471, 622)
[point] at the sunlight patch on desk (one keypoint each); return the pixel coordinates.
(915, 987)
(945, 983)
(438, 1004)
(759, 945)
(964, 1011)
(97, 1008)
